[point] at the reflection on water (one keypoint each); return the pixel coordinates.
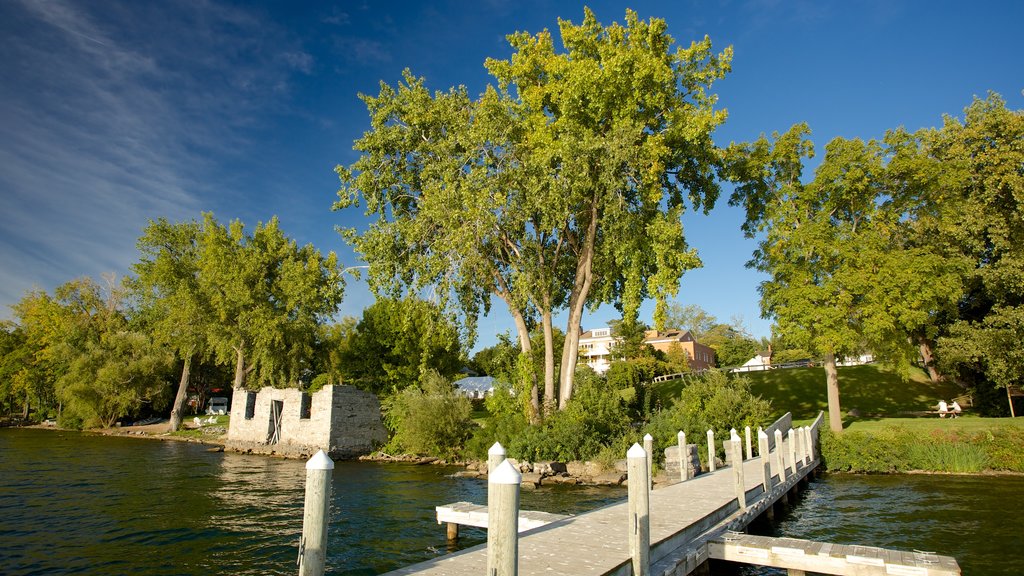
(73, 503)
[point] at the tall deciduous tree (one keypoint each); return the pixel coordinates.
(171, 290)
(561, 187)
(842, 270)
(268, 297)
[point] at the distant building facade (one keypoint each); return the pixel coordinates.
(475, 387)
(595, 348)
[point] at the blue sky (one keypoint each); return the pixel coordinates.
(115, 112)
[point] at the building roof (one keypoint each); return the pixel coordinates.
(476, 383)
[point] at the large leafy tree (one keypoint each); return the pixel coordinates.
(560, 187)
(843, 270)
(267, 296)
(173, 294)
(977, 195)
(398, 341)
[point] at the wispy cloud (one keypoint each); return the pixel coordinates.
(108, 121)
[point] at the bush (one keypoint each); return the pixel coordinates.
(430, 419)
(711, 402)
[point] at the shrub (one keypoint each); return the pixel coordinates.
(713, 402)
(429, 419)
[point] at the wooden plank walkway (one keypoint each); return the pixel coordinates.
(596, 542)
(822, 558)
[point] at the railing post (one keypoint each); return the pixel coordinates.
(684, 472)
(503, 520)
(808, 444)
(792, 450)
(649, 448)
(711, 450)
(495, 456)
(750, 448)
(762, 452)
(639, 511)
(777, 463)
(737, 466)
(313, 545)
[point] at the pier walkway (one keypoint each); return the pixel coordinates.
(684, 519)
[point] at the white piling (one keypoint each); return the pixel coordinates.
(762, 452)
(777, 463)
(683, 454)
(503, 520)
(495, 456)
(649, 448)
(750, 448)
(792, 450)
(711, 450)
(639, 511)
(737, 466)
(808, 445)
(313, 545)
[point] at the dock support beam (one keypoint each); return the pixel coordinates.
(792, 450)
(313, 545)
(503, 520)
(639, 511)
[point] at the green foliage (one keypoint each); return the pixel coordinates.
(561, 186)
(711, 402)
(896, 448)
(429, 419)
(395, 342)
(632, 378)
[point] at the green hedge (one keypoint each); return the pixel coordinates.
(896, 449)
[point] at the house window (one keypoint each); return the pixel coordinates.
(250, 405)
(305, 406)
(600, 333)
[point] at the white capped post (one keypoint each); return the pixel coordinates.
(503, 520)
(736, 449)
(792, 449)
(777, 463)
(762, 453)
(315, 513)
(639, 511)
(495, 456)
(711, 450)
(750, 448)
(649, 448)
(683, 464)
(808, 445)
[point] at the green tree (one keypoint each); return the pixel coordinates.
(268, 296)
(977, 198)
(690, 317)
(396, 342)
(535, 192)
(430, 418)
(170, 289)
(842, 271)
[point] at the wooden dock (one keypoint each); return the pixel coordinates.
(469, 514)
(686, 519)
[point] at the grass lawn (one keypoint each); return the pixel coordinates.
(926, 425)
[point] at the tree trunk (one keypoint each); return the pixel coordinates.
(577, 300)
(835, 415)
(239, 368)
(527, 350)
(25, 410)
(550, 402)
(179, 398)
(928, 358)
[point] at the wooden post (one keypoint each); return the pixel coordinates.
(762, 452)
(639, 511)
(808, 444)
(649, 448)
(750, 448)
(495, 456)
(313, 545)
(777, 463)
(503, 520)
(737, 466)
(684, 472)
(711, 450)
(792, 450)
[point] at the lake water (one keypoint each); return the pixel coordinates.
(80, 504)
